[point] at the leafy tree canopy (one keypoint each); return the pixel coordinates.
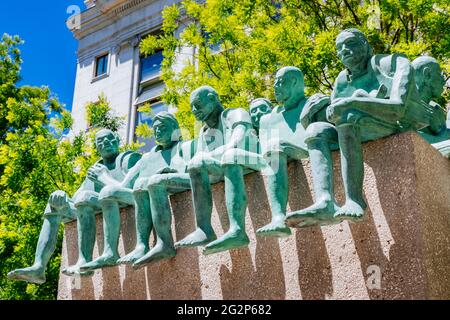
(239, 45)
(35, 160)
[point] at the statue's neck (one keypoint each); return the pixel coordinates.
(110, 161)
(358, 70)
(167, 146)
(425, 94)
(214, 117)
(293, 102)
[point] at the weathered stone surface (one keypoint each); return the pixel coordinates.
(406, 235)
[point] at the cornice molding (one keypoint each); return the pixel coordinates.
(102, 14)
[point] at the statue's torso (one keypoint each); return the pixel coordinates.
(158, 159)
(212, 138)
(284, 125)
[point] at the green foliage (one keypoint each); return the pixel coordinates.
(99, 115)
(34, 162)
(143, 130)
(239, 45)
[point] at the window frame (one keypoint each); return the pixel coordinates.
(153, 79)
(97, 58)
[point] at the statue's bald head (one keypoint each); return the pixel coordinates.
(429, 78)
(289, 84)
(204, 100)
(107, 142)
(425, 61)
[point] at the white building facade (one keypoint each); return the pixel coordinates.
(110, 62)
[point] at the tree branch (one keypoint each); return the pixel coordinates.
(355, 17)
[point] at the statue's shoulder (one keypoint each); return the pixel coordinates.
(388, 64)
(341, 79)
(314, 106)
(187, 149)
(128, 159)
(234, 116)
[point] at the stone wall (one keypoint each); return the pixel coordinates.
(406, 236)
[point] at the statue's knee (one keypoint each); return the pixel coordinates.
(140, 185)
(351, 117)
(197, 164)
(230, 157)
(156, 181)
(320, 131)
(85, 198)
(274, 145)
(108, 193)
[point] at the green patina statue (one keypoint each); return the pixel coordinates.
(165, 159)
(375, 96)
(282, 137)
(258, 108)
(171, 179)
(82, 206)
(227, 145)
(430, 85)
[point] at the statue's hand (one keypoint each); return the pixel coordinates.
(203, 160)
(336, 109)
(59, 200)
(96, 171)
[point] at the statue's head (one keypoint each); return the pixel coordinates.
(166, 129)
(353, 48)
(107, 143)
(289, 85)
(429, 78)
(258, 108)
(204, 101)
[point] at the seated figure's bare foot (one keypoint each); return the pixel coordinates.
(276, 228)
(231, 240)
(320, 213)
(105, 260)
(196, 238)
(351, 211)
(159, 252)
(75, 270)
(134, 255)
(33, 274)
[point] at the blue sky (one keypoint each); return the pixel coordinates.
(49, 52)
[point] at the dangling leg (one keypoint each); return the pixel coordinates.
(111, 231)
(45, 248)
(352, 172)
(325, 206)
(236, 202)
(158, 188)
(86, 240)
(202, 201)
(277, 191)
(144, 226)
(109, 199)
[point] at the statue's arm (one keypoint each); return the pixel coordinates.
(391, 108)
(132, 174)
(240, 122)
(403, 81)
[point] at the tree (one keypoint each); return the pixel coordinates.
(35, 160)
(240, 45)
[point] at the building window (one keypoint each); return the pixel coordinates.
(101, 65)
(151, 66)
(150, 94)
